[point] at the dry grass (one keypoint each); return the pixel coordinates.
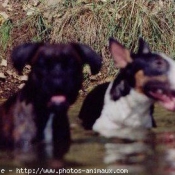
(126, 20)
(93, 22)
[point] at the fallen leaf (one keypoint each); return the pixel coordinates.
(28, 66)
(23, 78)
(5, 3)
(21, 86)
(86, 69)
(4, 63)
(4, 15)
(2, 75)
(9, 72)
(14, 75)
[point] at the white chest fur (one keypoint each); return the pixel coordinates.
(132, 110)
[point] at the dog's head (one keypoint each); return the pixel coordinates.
(56, 69)
(149, 73)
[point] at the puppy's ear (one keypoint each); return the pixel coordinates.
(23, 54)
(143, 47)
(120, 54)
(89, 56)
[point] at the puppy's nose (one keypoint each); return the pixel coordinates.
(58, 99)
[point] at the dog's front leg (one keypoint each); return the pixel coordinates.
(61, 134)
(41, 121)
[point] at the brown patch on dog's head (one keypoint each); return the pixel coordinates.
(141, 80)
(147, 72)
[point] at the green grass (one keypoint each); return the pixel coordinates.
(5, 29)
(42, 28)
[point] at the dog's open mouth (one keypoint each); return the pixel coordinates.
(166, 100)
(162, 93)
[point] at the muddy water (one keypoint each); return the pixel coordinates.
(137, 152)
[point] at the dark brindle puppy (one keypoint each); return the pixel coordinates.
(144, 78)
(53, 85)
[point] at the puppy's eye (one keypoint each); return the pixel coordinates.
(160, 64)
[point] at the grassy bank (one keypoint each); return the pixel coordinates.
(91, 22)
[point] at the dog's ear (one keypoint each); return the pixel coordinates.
(120, 54)
(23, 54)
(143, 47)
(89, 56)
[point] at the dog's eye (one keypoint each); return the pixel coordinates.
(160, 64)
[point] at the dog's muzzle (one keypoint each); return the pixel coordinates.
(58, 99)
(161, 92)
(58, 103)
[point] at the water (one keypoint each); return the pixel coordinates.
(137, 152)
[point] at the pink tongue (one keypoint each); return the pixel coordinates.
(58, 99)
(167, 102)
(170, 105)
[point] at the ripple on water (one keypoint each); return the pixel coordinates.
(137, 150)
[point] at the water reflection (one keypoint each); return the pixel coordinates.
(151, 153)
(130, 150)
(41, 155)
(141, 152)
(166, 149)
